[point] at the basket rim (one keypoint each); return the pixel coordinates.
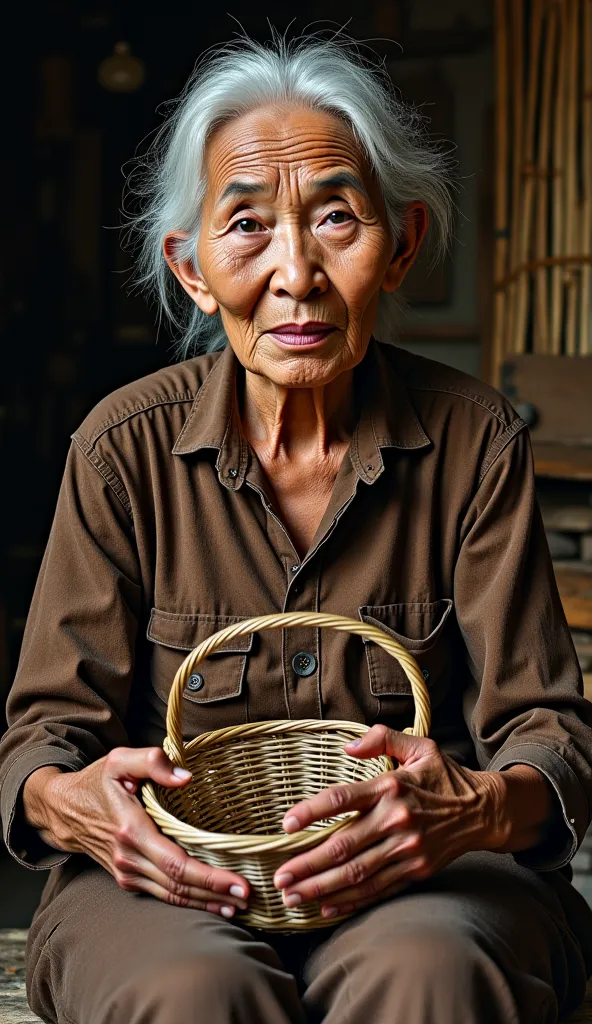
(232, 842)
(249, 843)
(213, 737)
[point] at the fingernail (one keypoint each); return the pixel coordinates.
(354, 743)
(237, 890)
(293, 899)
(227, 911)
(181, 773)
(130, 786)
(291, 824)
(330, 911)
(283, 880)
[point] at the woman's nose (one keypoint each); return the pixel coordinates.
(297, 271)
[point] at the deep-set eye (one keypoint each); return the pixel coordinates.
(339, 217)
(247, 226)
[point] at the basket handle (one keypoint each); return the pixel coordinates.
(283, 620)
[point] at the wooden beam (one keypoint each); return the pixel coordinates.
(562, 461)
(575, 589)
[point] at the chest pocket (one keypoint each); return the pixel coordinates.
(424, 629)
(215, 695)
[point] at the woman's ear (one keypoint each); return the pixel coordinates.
(413, 228)
(186, 274)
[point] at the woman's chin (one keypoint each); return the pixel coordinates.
(306, 365)
(305, 369)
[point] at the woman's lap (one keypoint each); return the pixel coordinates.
(486, 938)
(99, 954)
(485, 932)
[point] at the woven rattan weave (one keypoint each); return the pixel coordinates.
(246, 777)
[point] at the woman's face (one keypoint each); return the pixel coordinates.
(295, 246)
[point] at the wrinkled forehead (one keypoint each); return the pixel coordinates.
(273, 143)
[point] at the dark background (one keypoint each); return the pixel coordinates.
(71, 331)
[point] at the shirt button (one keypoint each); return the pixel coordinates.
(426, 674)
(233, 473)
(304, 664)
(196, 682)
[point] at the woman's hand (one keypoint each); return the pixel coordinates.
(414, 820)
(96, 811)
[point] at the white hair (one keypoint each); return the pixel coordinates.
(311, 71)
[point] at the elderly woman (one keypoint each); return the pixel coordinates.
(305, 466)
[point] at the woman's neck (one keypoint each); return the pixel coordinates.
(297, 423)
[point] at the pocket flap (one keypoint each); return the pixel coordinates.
(218, 677)
(185, 632)
(416, 626)
(419, 627)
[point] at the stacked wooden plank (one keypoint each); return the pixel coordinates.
(569, 531)
(552, 393)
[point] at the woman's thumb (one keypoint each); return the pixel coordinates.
(381, 740)
(130, 765)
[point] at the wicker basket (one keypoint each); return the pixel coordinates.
(246, 777)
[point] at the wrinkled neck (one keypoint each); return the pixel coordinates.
(297, 422)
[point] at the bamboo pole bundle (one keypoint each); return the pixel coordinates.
(528, 178)
(543, 271)
(558, 245)
(501, 184)
(541, 284)
(586, 218)
(572, 232)
(517, 110)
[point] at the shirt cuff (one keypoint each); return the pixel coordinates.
(556, 850)
(22, 841)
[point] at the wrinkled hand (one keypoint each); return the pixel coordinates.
(96, 811)
(413, 821)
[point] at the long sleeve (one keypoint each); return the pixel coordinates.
(68, 701)
(525, 704)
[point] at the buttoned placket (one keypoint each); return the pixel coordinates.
(301, 646)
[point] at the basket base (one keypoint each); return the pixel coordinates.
(262, 923)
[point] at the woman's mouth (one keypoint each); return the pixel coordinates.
(311, 333)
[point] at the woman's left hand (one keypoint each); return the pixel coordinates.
(413, 821)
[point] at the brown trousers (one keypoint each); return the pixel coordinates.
(486, 942)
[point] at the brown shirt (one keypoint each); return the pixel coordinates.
(165, 532)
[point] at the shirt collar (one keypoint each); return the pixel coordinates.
(387, 419)
(214, 422)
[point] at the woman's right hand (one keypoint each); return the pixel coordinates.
(96, 811)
